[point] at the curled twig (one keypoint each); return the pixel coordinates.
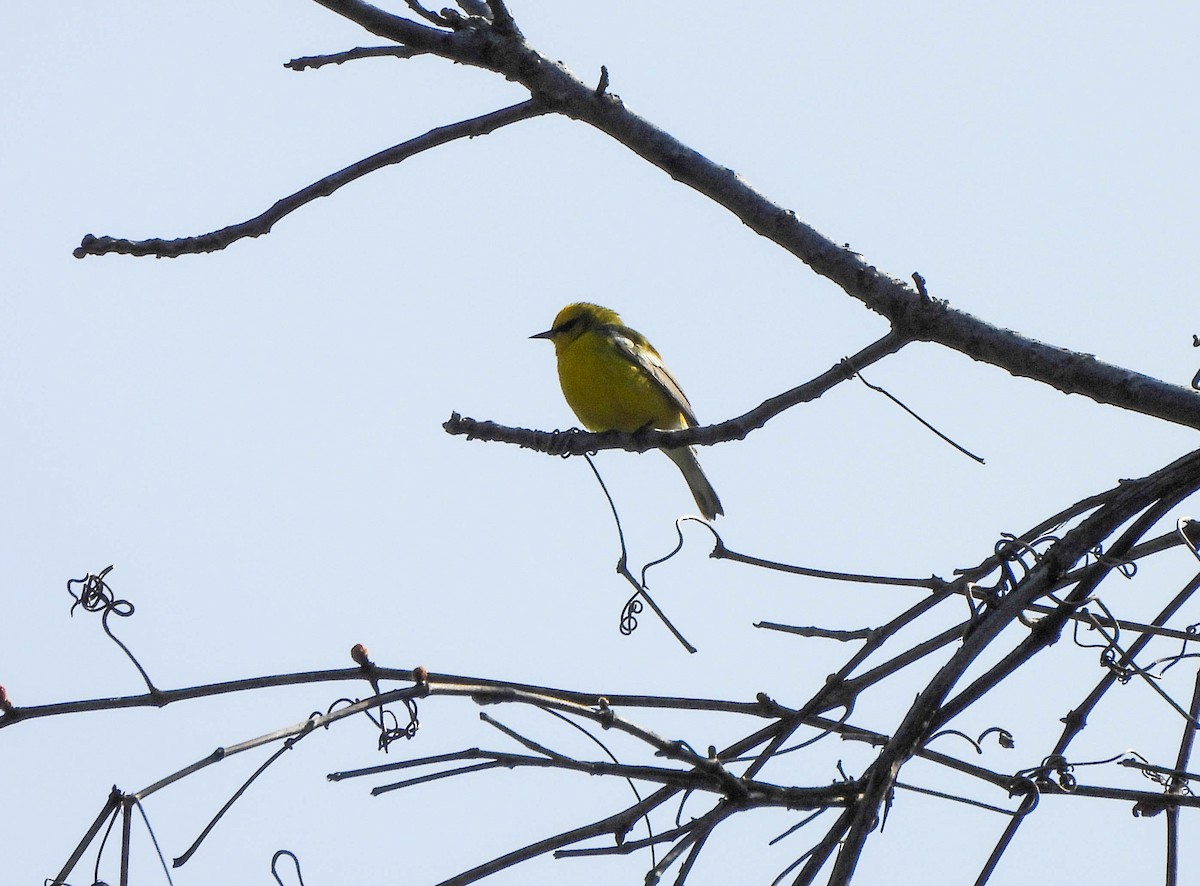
(275, 866)
(628, 622)
(96, 596)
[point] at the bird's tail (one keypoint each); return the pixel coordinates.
(706, 497)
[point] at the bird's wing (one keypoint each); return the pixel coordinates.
(633, 347)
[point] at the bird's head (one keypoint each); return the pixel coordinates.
(576, 319)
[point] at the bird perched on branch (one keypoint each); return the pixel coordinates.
(613, 379)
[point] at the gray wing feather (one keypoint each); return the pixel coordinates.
(653, 366)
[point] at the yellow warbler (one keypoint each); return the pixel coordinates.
(613, 379)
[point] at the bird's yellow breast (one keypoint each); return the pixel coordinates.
(608, 392)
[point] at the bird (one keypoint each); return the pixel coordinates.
(614, 380)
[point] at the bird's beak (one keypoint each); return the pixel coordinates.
(549, 334)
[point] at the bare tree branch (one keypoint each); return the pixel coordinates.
(432, 17)
(911, 313)
(262, 224)
(499, 46)
(318, 61)
(929, 712)
(582, 442)
(1027, 570)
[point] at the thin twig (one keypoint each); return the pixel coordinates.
(431, 17)
(928, 426)
(720, 552)
(312, 62)
(503, 18)
(641, 441)
(110, 806)
(824, 633)
(262, 224)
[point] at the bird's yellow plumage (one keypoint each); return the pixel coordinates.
(613, 379)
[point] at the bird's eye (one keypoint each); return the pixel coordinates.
(569, 324)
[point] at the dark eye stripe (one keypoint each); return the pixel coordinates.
(563, 327)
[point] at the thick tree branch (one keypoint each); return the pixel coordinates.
(393, 27)
(489, 38)
(927, 713)
(911, 313)
(497, 45)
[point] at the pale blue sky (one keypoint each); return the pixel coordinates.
(254, 437)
